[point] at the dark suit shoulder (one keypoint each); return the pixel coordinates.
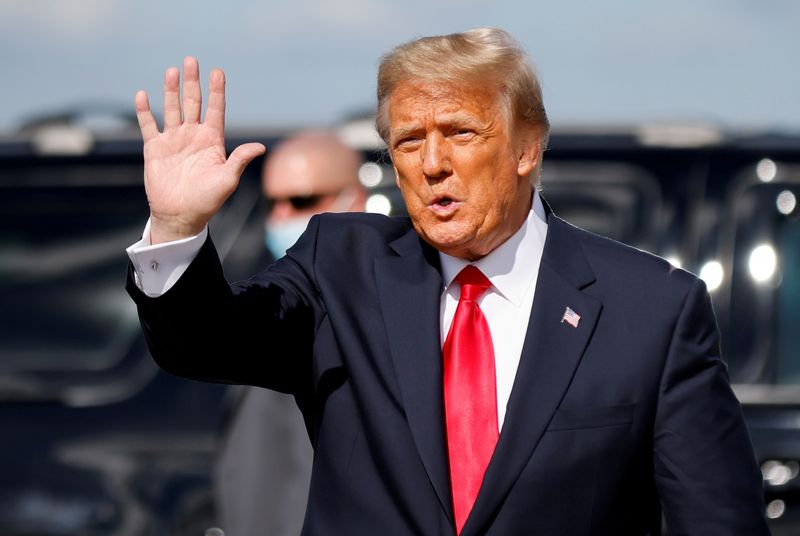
(341, 247)
(627, 264)
(354, 234)
(386, 228)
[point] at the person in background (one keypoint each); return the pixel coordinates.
(310, 173)
(263, 468)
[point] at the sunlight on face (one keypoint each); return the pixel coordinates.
(463, 169)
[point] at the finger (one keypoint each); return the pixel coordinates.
(172, 101)
(192, 97)
(215, 113)
(243, 155)
(147, 123)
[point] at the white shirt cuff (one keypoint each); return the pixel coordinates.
(158, 267)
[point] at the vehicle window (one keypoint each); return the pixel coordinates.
(68, 330)
(617, 200)
(788, 306)
(763, 337)
(62, 267)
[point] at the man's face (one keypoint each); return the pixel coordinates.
(462, 168)
(301, 184)
(310, 173)
(296, 188)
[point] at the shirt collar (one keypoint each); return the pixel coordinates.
(508, 266)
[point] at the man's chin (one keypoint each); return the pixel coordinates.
(463, 248)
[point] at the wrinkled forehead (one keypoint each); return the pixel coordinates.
(424, 100)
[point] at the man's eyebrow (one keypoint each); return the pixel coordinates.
(463, 121)
(460, 119)
(403, 131)
(455, 119)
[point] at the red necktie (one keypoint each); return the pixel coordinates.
(470, 395)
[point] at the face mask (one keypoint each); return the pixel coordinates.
(281, 236)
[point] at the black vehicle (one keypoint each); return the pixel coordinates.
(99, 441)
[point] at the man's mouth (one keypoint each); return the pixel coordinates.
(444, 205)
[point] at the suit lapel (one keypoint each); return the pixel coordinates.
(550, 355)
(410, 286)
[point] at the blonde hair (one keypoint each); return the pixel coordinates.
(481, 55)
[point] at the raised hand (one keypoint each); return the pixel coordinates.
(187, 176)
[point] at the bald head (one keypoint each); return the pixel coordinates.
(315, 165)
(309, 173)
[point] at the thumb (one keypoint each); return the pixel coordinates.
(243, 155)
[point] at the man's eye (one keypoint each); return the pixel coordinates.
(463, 132)
(408, 141)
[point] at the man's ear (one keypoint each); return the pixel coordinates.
(529, 155)
(396, 175)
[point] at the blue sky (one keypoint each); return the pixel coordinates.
(304, 62)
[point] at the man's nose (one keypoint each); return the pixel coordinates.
(435, 157)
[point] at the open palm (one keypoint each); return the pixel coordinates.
(187, 174)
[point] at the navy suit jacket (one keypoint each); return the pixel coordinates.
(609, 422)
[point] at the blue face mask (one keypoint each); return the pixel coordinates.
(279, 237)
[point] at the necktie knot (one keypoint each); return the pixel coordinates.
(473, 283)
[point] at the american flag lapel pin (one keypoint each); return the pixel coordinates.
(571, 317)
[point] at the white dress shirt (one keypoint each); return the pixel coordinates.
(512, 269)
(158, 267)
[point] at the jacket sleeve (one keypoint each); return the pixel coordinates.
(705, 468)
(258, 331)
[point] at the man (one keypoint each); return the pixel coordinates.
(264, 465)
(310, 173)
(480, 368)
